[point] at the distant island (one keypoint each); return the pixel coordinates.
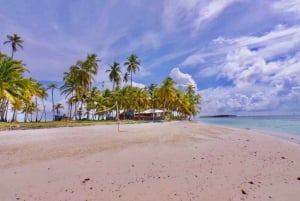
(218, 116)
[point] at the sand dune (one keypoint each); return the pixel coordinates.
(152, 161)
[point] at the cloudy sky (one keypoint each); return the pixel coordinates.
(242, 55)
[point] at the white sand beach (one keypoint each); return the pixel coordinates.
(146, 162)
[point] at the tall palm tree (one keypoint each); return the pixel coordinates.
(114, 74)
(43, 96)
(52, 86)
(16, 41)
(194, 100)
(91, 66)
(133, 65)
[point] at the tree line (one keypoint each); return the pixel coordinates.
(83, 99)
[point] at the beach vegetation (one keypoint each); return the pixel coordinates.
(84, 100)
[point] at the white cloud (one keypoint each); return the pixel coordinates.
(288, 6)
(233, 99)
(264, 71)
(139, 85)
(193, 13)
(193, 59)
(182, 80)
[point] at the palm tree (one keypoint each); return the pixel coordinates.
(77, 86)
(126, 77)
(194, 100)
(43, 96)
(52, 86)
(167, 93)
(58, 107)
(142, 97)
(91, 66)
(13, 85)
(39, 92)
(133, 65)
(114, 74)
(28, 109)
(15, 42)
(152, 90)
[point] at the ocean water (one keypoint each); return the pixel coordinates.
(287, 127)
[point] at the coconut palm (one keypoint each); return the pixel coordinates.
(167, 93)
(194, 100)
(58, 107)
(126, 77)
(52, 86)
(133, 65)
(43, 97)
(39, 93)
(29, 109)
(141, 98)
(77, 83)
(15, 42)
(114, 74)
(91, 66)
(13, 85)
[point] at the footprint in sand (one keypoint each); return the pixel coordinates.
(85, 180)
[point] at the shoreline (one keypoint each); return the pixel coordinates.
(151, 161)
(291, 137)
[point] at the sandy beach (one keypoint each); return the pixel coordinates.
(146, 162)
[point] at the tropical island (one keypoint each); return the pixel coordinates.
(84, 100)
(174, 160)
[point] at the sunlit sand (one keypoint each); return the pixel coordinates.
(151, 161)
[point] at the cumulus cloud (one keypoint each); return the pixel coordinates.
(264, 72)
(234, 99)
(182, 80)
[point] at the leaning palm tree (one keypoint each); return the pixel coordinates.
(52, 86)
(114, 74)
(15, 42)
(133, 65)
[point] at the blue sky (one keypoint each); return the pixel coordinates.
(242, 55)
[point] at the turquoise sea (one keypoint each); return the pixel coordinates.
(286, 127)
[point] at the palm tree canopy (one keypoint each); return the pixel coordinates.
(133, 65)
(52, 86)
(15, 41)
(114, 73)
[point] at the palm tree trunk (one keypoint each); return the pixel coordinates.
(44, 111)
(131, 78)
(14, 117)
(53, 104)
(37, 110)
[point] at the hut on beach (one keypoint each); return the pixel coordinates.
(150, 114)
